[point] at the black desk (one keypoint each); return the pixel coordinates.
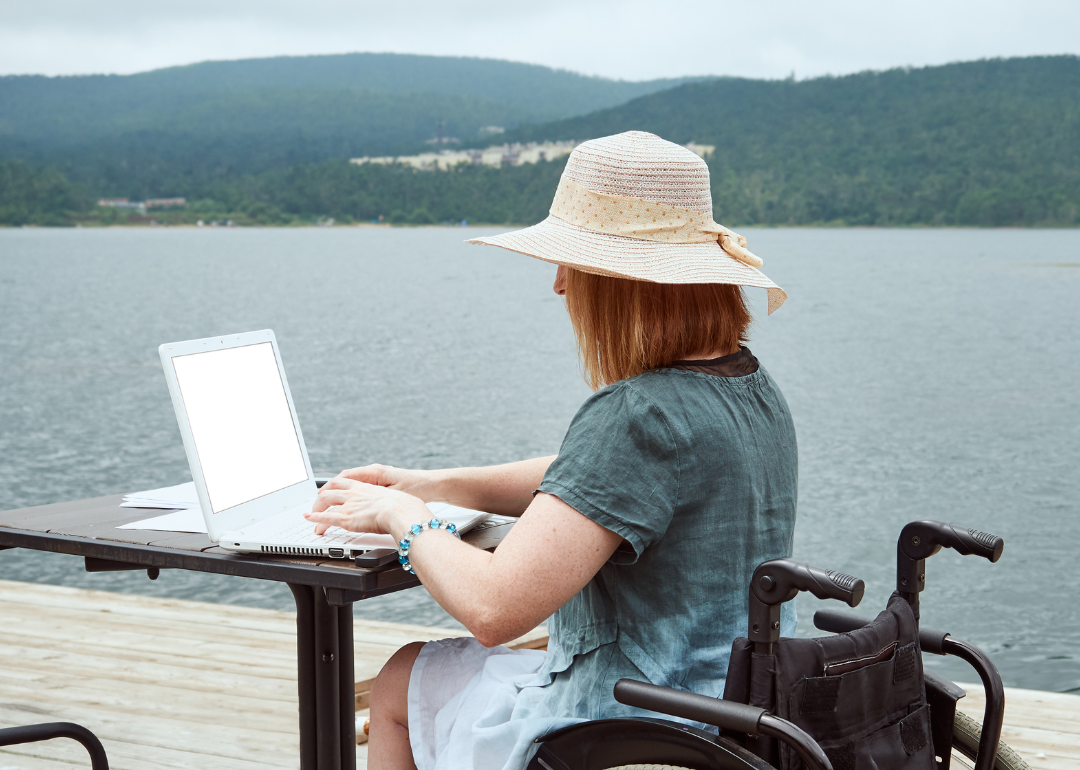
(324, 591)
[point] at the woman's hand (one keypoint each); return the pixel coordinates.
(422, 484)
(361, 507)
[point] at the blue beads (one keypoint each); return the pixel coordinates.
(416, 529)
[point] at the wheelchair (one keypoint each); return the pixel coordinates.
(857, 700)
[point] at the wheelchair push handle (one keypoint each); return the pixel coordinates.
(725, 714)
(921, 539)
(779, 580)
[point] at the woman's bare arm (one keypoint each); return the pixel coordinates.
(503, 489)
(548, 557)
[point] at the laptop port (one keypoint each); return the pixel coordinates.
(337, 553)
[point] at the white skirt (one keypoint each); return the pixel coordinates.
(461, 707)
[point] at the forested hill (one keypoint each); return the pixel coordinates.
(986, 142)
(994, 143)
(170, 131)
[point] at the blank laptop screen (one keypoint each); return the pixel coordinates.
(241, 422)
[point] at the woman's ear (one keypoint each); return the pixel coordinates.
(560, 281)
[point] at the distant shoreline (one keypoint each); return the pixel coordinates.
(508, 225)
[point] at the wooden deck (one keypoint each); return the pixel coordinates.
(1042, 727)
(175, 684)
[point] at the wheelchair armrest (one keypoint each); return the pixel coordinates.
(12, 736)
(725, 714)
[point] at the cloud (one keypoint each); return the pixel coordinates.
(630, 39)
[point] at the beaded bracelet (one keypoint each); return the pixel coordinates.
(416, 529)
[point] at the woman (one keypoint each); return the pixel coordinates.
(637, 542)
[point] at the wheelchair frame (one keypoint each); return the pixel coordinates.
(14, 736)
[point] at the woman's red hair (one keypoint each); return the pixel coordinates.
(625, 327)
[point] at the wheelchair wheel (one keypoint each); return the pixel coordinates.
(966, 734)
(640, 744)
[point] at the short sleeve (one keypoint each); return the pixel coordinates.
(619, 466)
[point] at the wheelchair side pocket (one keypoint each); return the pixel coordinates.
(903, 745)
(872, 715)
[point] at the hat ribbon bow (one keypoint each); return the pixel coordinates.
(645, 220)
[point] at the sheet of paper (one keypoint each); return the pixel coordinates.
(189, 520)
(178, 496)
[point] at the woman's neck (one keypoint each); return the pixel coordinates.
(709, 355)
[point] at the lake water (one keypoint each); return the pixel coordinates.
(931, 373)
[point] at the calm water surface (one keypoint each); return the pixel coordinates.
(931, 373)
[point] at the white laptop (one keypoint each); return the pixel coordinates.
(247, 454)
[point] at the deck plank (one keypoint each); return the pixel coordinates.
(1042, 727)
(174, 684)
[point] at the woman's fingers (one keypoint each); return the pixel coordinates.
(326, 498)
(360, 507)
(414, 482)
(380, 475)
(347, 489)
(339, 482)
(349, 509)
(332, 517)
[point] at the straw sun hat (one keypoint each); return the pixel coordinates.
(635, 206)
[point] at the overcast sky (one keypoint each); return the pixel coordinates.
(628, 39)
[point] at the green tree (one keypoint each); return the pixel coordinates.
(38, 196)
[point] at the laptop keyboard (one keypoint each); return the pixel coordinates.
(303, 532)
(494, 520)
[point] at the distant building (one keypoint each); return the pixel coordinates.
(500, 155)
(142, 206)
(161, 203)
(122, 203)
(491, 130)
(702, 150)
(506, 154)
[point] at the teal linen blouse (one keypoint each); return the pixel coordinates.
(698, 473)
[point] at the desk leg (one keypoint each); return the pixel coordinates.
(305, 672)
(347, 687)
(325, 674)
